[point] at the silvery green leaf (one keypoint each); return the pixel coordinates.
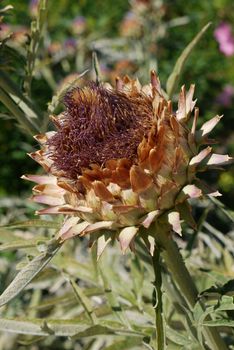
(41, 327)
(219, 323)
(18, 244)
(84, 300)
(32, 223)
(104, 330)
(25, 276)
(127, 343)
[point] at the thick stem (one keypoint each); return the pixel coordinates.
(157, 301)
(183, 279)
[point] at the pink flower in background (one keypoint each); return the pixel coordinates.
(33, 7)
(20, 35)
(130, 25)
(79, 25)
(223, 35)
(226, 96)
(70, 45)
(54, 48)
(5, 30)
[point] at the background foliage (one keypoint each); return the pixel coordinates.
(42, 60)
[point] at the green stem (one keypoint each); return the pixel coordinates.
(183, 279)
(157, 300)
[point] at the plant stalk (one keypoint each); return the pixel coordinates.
(174, 261)
(157, 300)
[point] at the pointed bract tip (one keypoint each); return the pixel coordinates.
(126, 236)
(175, 222)
(118, 83)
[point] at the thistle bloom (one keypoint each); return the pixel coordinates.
(120, 160)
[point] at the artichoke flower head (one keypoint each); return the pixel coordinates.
(121, 159)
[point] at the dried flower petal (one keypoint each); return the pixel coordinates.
(102, 242)
(217, 159)
(174, 221)
(209, 126)
(125, 237)
(192, 191)
(202, 155)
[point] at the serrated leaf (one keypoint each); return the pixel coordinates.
(41, 328)
(104, 330)
(32, 223)
(25, 276)
(31, 341)
(94, 330)
(19, 98)
(219, 323)
(74, 267)
(228, 261)
(25, 123)
(177, 337)
(111, 296)
(48, 303)
(18, 244)
(68, 298)
(137, 272)
(82, 298)
(225, 239)
(27, 342)
(226, 303)
(229, 213)
(128, 343)
(173, 79)
(7, 237)
(37, 27)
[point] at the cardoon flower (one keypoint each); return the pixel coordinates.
(122, 159)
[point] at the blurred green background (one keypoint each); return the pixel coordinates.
(130, 37)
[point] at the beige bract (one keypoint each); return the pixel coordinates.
(121, 159)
